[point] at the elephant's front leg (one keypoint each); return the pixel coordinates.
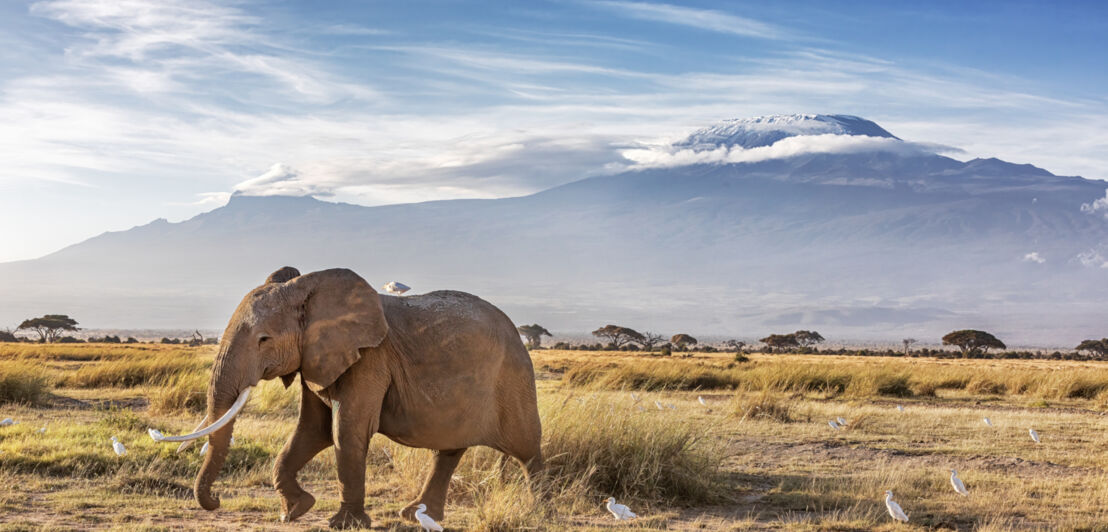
(356, 417)
(312, 435)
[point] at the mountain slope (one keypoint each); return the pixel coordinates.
(861, 245)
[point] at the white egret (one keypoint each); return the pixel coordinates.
(43, 429)
(425, 521)
(701, 400)
(659, 405)
(155, 434)
(7, 422)
(988, 422)
(957, 483)
(900, 408)
(894, 509)
(118, 447)
(834, 425)
(1034, 435)
(620, 511)
(841, 421)
(396, 288)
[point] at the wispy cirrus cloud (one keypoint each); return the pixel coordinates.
(704, 19)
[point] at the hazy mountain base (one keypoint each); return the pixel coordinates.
(872, 246)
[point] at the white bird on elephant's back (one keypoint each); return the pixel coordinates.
(396, 288)
(425, 521)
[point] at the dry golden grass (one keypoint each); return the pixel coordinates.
(21, 382)
(759, 456)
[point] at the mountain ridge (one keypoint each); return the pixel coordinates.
(873, 244)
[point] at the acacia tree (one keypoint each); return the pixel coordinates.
(781, 341)
(533, 333)
(1094, 347)
(49, 326)
(735, 344)
(971, 341)
(650, 340)
(807, 338)
(618, 336)
(682, 341)
(908, 344)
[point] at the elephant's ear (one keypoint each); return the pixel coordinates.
(341, 313)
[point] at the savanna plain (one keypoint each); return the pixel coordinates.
(758, 455)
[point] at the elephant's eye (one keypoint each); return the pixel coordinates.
(263, 339)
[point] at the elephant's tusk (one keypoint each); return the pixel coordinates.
(187, 444)
(219, 423)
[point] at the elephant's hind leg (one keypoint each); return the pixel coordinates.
(434, 490)
(312, 435)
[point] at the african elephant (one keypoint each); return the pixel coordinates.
(443, 371)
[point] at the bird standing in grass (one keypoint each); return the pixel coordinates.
(957, 483)
(620, 511)
(894, 509)
(988, 422)
(659, 405)
(841, 421)
(1034, 435)
(425, 521)
(118, 447)
(8, 422)
(396, 288)
(900, 408)
(43, 429)
(701, 400)
(834, 425)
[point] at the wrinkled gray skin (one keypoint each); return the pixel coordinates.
(442, 371)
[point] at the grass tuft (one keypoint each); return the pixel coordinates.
(185, 392)
(23, 383)
(643, 456)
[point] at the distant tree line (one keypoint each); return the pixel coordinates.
(50, 328)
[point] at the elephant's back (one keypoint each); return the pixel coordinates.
(452, 315)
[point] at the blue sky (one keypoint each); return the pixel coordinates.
(119, 112)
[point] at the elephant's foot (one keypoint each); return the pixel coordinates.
(434, 511)
(295, 506)
(350, 518)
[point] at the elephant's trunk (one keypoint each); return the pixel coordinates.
(219, 445)
(227, 394)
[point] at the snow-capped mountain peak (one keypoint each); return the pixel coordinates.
(766, 130)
